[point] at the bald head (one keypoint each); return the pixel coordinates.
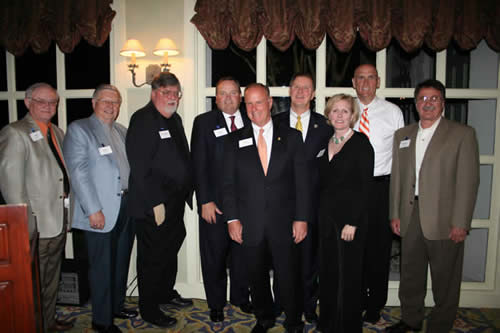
(366, 82)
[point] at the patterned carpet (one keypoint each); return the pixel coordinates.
(196, 319)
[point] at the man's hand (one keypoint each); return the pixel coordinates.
(457, 234)
(208, 212)
(159, 211)
(235, 231)
(299, 229)
(97, 220)
(348, 233)
(396, 226)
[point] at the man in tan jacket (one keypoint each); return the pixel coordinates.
(434, 183)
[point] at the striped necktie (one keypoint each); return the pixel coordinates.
(364, 123)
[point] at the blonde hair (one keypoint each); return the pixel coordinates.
(343, 97)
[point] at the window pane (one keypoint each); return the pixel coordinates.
(78, 108)
(483, 202)
(408, 108)
(32, 68)
(282, 104)
(4, 113)
(22, 110)
(406, 70)
(476, 245)
(210, 104)
(340, 66)
(3, 69)
(231, 62)
(282, 65)
(87, 66)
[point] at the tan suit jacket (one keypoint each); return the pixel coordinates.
(29, 174)
(448, 182)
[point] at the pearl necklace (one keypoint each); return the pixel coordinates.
(342, 138)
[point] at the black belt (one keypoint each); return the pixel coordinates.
(416, 197)
(382, 178)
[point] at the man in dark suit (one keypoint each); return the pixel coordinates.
(266, 204)
(434, 183)
(160, 184)
(94, 148)
(315, 134)
(207, 145)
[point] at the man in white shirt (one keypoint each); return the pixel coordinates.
(378, 121)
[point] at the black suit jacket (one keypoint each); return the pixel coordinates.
(207, 152)
(160, 169)
(266, 203)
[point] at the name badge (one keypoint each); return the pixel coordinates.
(164, 134)
(66, 202)
(35, 136)
(404, 144)
(245, 142)
(220, 132)
(321, 153)
(105, 150)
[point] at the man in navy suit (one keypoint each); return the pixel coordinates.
(207, 151)
(94, 148)
(266, 205)
(315, 134)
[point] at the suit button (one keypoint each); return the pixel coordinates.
(60, 197)
(411, 202)
(60, 179)
(118, 177)
(118, 194)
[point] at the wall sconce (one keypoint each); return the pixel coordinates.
(134, 49)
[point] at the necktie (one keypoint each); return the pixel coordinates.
(233, 125)
(364, 123)
(59, 161)
(298, 125)
(262, 148)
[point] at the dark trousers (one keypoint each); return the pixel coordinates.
(283, 254)
(216, 247)
(157, 248)
(109, 258)
(377, 247)
(445, 259)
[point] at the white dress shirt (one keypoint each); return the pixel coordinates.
(424, 136)
(268, 137)
(385, 118)
(304, 119)
(238, 120)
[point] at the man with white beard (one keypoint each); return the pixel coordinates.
(160, 184)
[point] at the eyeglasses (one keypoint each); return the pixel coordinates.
(170, 93)
(44, 102)
(431, 99)
(109, 103)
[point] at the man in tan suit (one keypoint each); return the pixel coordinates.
(32, 171)
(434, 183)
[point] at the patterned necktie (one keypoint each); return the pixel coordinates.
(233, 125)
(298, 125)
(53, 148)
(364, 123)
(262, 148)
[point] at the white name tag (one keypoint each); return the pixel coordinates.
(245, 142)
(164, 134)
(105, 150)
(35, 136)
(404, 144)
(321, 153)
(220, 132)
(66, 202)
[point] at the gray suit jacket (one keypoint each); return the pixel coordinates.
(95, 178)
(29, 174)
(448, 182)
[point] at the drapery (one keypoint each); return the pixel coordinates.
(36, 23)
(411, 22)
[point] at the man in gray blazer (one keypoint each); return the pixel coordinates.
(32, 171)
(97, 162)
(434, 183)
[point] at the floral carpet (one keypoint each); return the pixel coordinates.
(196, 319)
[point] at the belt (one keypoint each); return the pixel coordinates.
(382, 178)
(416, 197)
(122, 193)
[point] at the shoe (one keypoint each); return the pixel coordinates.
(278, 310)
(247, 307)
(262, 326)
(311, 317)
(371, 317)
(105, 329)
(61, 326)
(126, 314)
(401, 327)
(161, 321)
(295, 329)
(180, 302)
(216, 315)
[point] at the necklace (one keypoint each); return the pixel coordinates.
(342, 138)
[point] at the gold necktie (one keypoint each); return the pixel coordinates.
(262, 148)
(298, 125)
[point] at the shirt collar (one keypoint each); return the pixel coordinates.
(302, 116)
(236, 114)
(429, 129)
(265, 127)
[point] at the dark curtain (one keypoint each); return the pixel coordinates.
(36, 23)
(411, 22)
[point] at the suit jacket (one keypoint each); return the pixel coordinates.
(207, 152)
(160, 169)
(266, 203)
(448, 181)
(30, 174)
(95, 178)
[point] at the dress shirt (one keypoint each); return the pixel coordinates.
(424, 136)
(268, 136)
(238, 120)
(304, 119)
(385, 118)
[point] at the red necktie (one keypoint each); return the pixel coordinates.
(233, 125)
(364, 123)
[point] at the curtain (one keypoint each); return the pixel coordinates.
(36, 23)
(411, 22)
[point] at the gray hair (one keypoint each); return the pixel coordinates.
(105, 86)
(29, 92)
(165, 79)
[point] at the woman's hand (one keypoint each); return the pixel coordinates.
(348, 232)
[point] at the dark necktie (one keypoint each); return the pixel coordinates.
(233, 125)
(59, 161)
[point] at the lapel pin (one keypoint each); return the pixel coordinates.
(279, 138)
(315, 125)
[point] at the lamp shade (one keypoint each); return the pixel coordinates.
(132, 47)
(165, 46)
